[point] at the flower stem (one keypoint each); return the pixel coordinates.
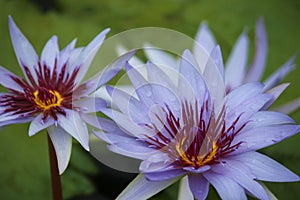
(55, 177)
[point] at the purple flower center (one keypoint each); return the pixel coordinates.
(50, 94)
(195, 139)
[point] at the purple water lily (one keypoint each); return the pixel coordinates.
(193, 130)
(51, 96)
(237, 71)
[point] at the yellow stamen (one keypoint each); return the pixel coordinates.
(46, 104)
(195, 160)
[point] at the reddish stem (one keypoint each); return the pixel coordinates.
(55, 177)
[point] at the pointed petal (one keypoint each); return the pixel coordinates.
(226, 187)
(216, 56)
(116, 138)
(205, 38)
(50, 53)
(159, 57)
(191, 83)
(4, 120)
(25, 53)
(276, 92)
(258, 64)
(7, 81)
(62, 143)
(141, 188)
(279, 74)
(198, 185)
(112, 69)
(64, 55)
(90, 104)
(164, 175)
(245, 109)
(263, 137)
(138, 152)
(134, 61)
(126, 123)
(88, 53)
(38, 124)
(265, 168)
(99, 150)
(270, 194)
(156, 162)
(163, 90)
(75, 126)
(157, 76)
(238, 172)
(103, 77)
(142, 87)
(203, 45)
(268, 118)
(113, 135)
(129, 105)
(104, 124)
(289, 107)
(185, 192)
(236, 64)
(215, 85)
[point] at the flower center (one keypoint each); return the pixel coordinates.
(194, 159)
(196, 138)
(46, 99)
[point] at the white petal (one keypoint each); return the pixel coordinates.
(236, 64)
(99, 150)
(265, 168)
(226, 187)
(62, 143)
(279, 74)
(129, 105)
(191, 83)
(64, 55)
(276, 92)
(157, 76)
(198, 185)
(159, 57)
(88, 54)
(203, 45)
(134, 61)
(7, 81)
(289, 107)
(185, 192)
(75, 126)
(216, 56)
(24, 51)
(260, 137)
(241, 174)
(242, 93)
(104, 76)
(127, 124)
(90, 104)
(258, 64)
(215, 84)
(142, 87)
(50, 53)
(140, 188)
(268, 118)
(38, 124)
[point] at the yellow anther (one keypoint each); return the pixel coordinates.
(45, 104)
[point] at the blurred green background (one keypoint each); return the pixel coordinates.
(24, 168)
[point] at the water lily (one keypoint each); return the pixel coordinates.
(51, 96)
(237, 70)
(194, 131)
